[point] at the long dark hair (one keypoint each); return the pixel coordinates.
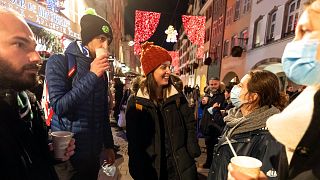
(266, 85)
(150, 85)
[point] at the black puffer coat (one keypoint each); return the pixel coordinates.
(144, 136)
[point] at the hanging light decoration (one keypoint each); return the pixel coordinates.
(194, 27)
(175, 60)
(145, 25)
(171, 34)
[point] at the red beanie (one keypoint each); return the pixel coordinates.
(153, 56)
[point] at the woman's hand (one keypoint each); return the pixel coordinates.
(236, 175)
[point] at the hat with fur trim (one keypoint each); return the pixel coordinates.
(152, 56)
(93, 25)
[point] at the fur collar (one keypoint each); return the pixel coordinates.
(173, 91)
(290, 125)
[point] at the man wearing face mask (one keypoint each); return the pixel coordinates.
(81, 105)
(297, 126)
(211, 123)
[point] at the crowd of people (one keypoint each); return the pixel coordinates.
(281, 129)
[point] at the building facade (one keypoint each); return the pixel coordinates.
(236, 31)
(216, 37)
(272, 26)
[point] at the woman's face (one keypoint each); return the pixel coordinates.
(245, 96)
(162, 73)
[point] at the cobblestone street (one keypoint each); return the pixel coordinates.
(122, 162)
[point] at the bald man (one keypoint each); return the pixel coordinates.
(24, 149)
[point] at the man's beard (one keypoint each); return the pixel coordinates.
(17, 80)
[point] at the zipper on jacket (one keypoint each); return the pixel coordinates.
(173, 153)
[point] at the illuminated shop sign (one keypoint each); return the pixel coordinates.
(39, 14)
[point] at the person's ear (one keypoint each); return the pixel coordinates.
(253, 97)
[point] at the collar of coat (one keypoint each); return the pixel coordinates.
(289, 126)
(173, 91)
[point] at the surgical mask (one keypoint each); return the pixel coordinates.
(299, 62)
(235, 96)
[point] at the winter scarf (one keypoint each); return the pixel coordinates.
(237, 123)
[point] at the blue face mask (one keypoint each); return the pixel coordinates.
(235, 96)
(299, 62)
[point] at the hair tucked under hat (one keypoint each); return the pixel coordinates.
(152, 56)
(93, 25)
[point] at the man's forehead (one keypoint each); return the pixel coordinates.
(14, 27)
(214, 81)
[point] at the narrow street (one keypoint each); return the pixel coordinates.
(122, 162)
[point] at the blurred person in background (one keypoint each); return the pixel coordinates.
(211, 124)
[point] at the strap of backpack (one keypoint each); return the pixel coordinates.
(72, 65)
(72, 69)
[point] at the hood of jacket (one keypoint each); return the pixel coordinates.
(74, 49)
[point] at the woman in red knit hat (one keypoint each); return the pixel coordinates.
(160, 125)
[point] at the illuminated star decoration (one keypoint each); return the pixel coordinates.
(171, 34)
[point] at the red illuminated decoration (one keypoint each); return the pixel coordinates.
(175, 60)
(145, 25)
(194, 27)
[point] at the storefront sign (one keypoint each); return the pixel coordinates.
(39, 14)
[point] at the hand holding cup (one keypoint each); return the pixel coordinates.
(100, 64)
(246, 166)
(63, 145)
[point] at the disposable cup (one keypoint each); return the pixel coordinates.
(101, 51)
(247, 165)
(60, 141)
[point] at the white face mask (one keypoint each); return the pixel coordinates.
(235, 97)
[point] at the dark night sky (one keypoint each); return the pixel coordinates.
(168, 16)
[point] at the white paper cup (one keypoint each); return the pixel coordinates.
(101, 51)
(247, 165)
(60, 141)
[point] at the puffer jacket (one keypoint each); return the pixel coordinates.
(144, 136)
(79, 106)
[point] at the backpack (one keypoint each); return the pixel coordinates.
(45, 101)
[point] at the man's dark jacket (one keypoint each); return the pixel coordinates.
(24, 151)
